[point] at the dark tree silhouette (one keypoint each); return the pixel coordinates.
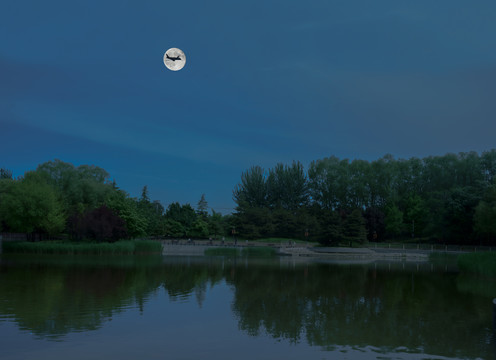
(100, 224)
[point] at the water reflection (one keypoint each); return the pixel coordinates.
(387, 307)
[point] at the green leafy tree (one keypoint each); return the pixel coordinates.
(331, 228)
(183, 214)
(485, 217)
(174, 229)
(327, 182)
(127, 209)
(394, 221)
(31, 206)
(358, 187)
(216, 224)
(5, 173)
(416, 214)
(202, 207)
(354, 227)
(287, 187)
(252, 191)
(81, 188)
(199, 229)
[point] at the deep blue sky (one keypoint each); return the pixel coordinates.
(265, 82)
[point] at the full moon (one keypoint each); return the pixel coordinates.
(174, 59)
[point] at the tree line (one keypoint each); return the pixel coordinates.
(82, 203)
(449, 199)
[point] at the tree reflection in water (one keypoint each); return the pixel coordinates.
(433, 312)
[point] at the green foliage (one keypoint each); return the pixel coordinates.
(354, 228)
(147, 247)
(54, 247)
(394, 221)
(183, 214)
(281, 241)
(444, 198)
(231, 252)
(260, 251)
(81, 188)
(252, 192)
(216, 224)
(331, 230)
(174, 229)
(127, 209)
(478, 263)
(5, 174)
(416, 214)
(485, 217)
(287, 187)
(199, 229)
(202, 207)
(152, 214)
(30, 206)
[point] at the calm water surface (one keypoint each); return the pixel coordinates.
(215, 308)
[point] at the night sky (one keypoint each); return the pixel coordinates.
(265, 82)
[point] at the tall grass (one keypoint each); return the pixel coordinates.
(259, 251)
(147, 246)
(282, 241)
(125, 247)
(478, 263)
(443, 257)
(231, 252)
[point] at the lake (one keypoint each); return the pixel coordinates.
(156, 307)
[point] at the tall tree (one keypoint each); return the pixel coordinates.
(5, 173)
(485, 217)
(31, 206)
(144, 195)
(287, 187)
(101, 224)
(354, 227)
(202, 207)
(394, 221)
(252, 191)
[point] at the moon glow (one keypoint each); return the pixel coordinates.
(174, 59)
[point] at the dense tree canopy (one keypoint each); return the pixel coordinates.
(443, 198)
(450, 199)
(60, 199)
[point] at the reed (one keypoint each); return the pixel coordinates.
(259, 251)
(438, 256)
(478, 263)
(124, 247)
(147, 247)
(231, 252)
(282, 241)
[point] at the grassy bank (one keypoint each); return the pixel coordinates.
(125, 247)
(478, 263)
(261, 251)
(443, 257)
(282, 241)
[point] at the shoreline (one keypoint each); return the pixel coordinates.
(172, 249)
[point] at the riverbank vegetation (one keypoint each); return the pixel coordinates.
(71, 248)
(61, 201)
(478, 263)
(448, 199)
(283, 241)
(257, 251)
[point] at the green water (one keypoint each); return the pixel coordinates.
(214, 308)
